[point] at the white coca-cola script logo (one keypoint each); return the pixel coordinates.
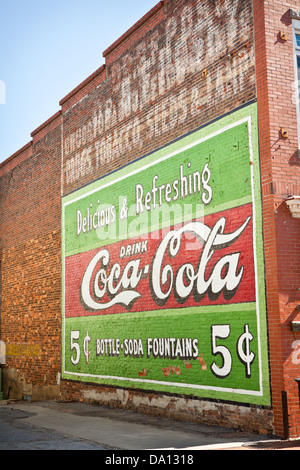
(121, 286)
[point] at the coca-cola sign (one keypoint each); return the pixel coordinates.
(163, 271)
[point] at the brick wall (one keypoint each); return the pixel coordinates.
(182, 66)
(30, 263)
(280, 179)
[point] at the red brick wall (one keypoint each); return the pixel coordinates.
(194, 63)
(280, 178)
(182, 65)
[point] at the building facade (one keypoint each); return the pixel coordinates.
(149, 233)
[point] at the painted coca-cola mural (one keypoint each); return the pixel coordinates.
(163, 270)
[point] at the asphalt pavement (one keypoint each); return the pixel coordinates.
(62, 425)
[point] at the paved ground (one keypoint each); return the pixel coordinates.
(78, 426)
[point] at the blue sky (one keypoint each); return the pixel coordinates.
(46, 49)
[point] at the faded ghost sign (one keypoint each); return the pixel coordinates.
(192, 67)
